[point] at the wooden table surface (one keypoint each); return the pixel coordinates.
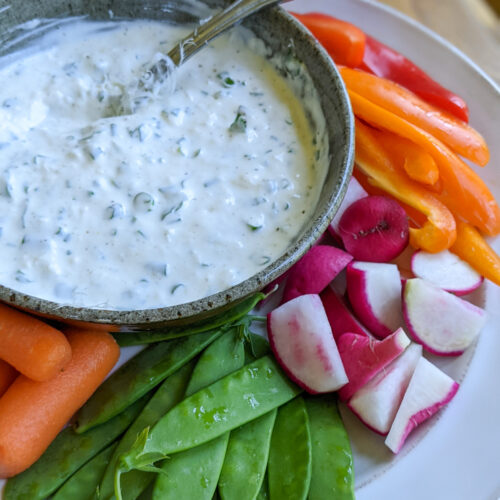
(471, 25)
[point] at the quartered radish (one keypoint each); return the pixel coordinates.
(339, 315)
(429, 390)
(374, 229)
(447, 271)
(443, 323)
(313, 272)
(302, 341)
(365, 357)
(374, 290)
(377, 403)
(354, 193)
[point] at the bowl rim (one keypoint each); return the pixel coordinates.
(140, 319)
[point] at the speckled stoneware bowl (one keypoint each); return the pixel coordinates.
(278, 29)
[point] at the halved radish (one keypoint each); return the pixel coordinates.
(374, 291)
(443, 323)
(447, 271)
(354, 192)
(339, 315)
(313, 272)
(377, 403)
(365, 357)
(429, 390)
(374, 229)
(302, 341)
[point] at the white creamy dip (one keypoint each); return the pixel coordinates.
(192, 193)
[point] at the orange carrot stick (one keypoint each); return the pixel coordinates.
(464, 192)
(473, 248)
(438, 232)
(32, 413)
(7, 376)
(456, 134)
(31, 346)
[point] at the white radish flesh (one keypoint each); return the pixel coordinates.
(443, 323)
(447, 271)
(429, 390)
(377, 403)
(302, 341)
(354, 193)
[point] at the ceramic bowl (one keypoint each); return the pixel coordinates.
(281, 33)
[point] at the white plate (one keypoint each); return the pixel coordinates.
(456, 455)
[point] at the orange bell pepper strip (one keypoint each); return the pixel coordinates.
(463, 191)
(439, 231)
(456, 134)
(474, 249)
(417, 163)
(343, 41)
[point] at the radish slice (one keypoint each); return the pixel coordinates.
(443, 323)
(364, 357)
(374, 291)
(302, 341)
(354, 193)
(429, 390)
(447, 271)
(340, 316)
(313, 272)
(377, 403)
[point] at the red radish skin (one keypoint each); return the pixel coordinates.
(374, 229)
(363, 358)
(313, 272)
(377, 403)
(447, 271)
(354, 193)
(302, 341)
(429, 390)
(339, 315)
(444, 324)
(374, 291)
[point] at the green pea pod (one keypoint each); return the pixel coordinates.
(290, 456)
(256, 347)
(264, 490)
(332, 466)
(170, 392)
(66, 454)
(226, 319)
(224, 356)
(83, 484)
(236, 399)
(138, 376)
(246, 459)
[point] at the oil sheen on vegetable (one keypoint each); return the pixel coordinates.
(194, 191)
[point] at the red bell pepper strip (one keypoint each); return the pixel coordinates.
(343, 41)
(385, 62)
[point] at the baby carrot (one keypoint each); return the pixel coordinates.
(31, 346)
(32, 413)
(7, 376)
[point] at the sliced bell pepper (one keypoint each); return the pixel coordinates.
(457, 135)
(383, 61)
(343, 41)
(438, 232)
(474, 249)
(463, 191)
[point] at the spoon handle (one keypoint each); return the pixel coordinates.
(215, 25)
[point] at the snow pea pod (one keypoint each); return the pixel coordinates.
(138, 376)
(245, 464)
(264, 490)
(224, 321)
(236, 399)
(204, 463)
(256, 347)
(170, 392)
(83, 484)
(67, 453)
(332, 465)
(290, 456)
